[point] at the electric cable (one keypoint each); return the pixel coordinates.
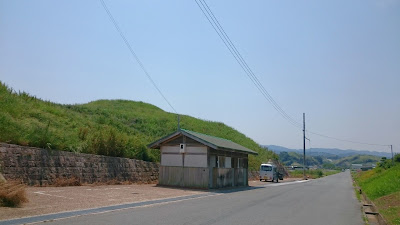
(272, 101)
(345, 140)
(134, 54)
(249, 72)
(235, 53)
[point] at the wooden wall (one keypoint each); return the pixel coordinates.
(228, 177)
(184, 176)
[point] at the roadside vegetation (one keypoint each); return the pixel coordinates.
(382, 186)
(346, 162)
(313, 174)
(327, 161)
(118, 128)
(12, 194)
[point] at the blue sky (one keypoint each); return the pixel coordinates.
(336, 61)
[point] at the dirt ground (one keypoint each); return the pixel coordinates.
(47, 200)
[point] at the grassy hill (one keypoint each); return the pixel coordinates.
(294, 158)
(382, 186)
(106, 127)
(356, 159)
(330, 153)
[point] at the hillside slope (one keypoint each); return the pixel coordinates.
(331, 153)
(294, 158)
(107, 127)
(382, 186)
(356, 159)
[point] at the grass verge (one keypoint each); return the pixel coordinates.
(382, 187)
(313, 174)
(389, 207)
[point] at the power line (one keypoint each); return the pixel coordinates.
(238, 57)
(248, 68)
(243, 64)
(249, 72)
(134, 54)
(345, 140)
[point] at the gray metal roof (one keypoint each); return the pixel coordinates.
(211, 141)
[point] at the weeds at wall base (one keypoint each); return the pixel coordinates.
(74, 181)
(64, 182)
(12, 194)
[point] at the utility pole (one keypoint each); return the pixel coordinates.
(391, 149)
(304, 146)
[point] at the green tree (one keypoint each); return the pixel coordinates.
(397, 158)
(329, 166)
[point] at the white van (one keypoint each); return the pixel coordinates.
(268, 172)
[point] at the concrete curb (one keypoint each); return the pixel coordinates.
(370, 209)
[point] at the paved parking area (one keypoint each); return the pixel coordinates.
(47, 200)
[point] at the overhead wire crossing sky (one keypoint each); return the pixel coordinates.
(134, 54)
(243, 64)
(249, 72)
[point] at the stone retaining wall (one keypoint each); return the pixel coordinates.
(37, 166)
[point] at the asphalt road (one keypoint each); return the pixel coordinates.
(325, 201)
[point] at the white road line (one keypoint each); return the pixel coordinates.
(55, 191)
(287, 183)
(42, 193)
(114, 210)
(103, 189)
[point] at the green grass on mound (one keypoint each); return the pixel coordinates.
(389, 207)
(379, 182)
(107, 127)
(382, 186)
(313, 174)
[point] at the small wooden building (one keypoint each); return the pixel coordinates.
(191, 159)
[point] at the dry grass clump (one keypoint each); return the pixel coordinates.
(117, 182)
(63, 182)
(112, 182)
(12, 194)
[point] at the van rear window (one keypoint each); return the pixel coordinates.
(266, 168)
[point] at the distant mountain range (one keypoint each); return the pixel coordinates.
(331, 153)
(326, 158)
